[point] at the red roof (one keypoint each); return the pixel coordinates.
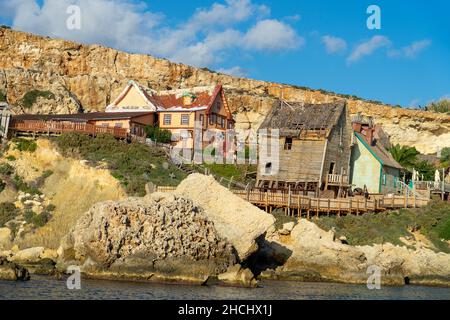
(201, 99)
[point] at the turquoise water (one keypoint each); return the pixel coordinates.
(49, 288)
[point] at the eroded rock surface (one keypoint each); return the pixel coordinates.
(160, 237)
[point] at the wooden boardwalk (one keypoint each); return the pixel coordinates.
(56, 127)
(299, 205)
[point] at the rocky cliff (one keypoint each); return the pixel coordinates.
(42, 75)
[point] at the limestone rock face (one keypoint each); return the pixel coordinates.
(162, 236)
(234, 218)
(315, 251)
(89, 77)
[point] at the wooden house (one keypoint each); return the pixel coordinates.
(179, 110)
(372, 166)
(314, 149)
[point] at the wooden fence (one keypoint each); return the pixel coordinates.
(296, 204)
(57, 127)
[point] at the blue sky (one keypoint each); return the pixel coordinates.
(322, 44)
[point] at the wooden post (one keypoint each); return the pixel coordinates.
(350, 206)
(289, 201)
(299, 210)
(267, 201)
(329, 207)
(309, 208)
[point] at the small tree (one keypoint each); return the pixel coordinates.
(406, 156)
(158, 135)
(445, 157)
(442, 106)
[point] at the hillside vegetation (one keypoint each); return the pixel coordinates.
(433, 222)
(134, 164)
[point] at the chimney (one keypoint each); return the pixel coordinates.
(370, 135)
(357, 122)
(188, 99)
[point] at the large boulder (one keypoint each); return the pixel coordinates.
(234, 218)
(162, 237)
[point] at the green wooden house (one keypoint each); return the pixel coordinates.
(371, 165)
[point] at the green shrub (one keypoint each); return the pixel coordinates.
(133, 164)
(30, 98)
(21, 185)
(2, 185)
(38, 220)
(11, 158)
(2, 96)
(8, 211)
(442, 106)
(25, 145)
(6, 169)
(158, 135)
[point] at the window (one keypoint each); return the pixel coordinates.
(202, 119)
(167, 119)
(222, 123)
(212, 119)
(384, 179)
(332, 166)
(287, 143)
(105, 125)
(118, 125)
(268, 168)
(395, 182)
(184, 119)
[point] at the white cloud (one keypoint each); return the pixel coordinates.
(272, 35)
(369, 47)
(234, 71)
(412, 50)
(203, 39)
(334, 44)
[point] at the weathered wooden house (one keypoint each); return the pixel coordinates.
(314, 149)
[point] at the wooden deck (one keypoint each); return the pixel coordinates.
(299, 205)
(56, 127)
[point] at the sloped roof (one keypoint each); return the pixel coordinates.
(202, 97)
(381, 153)
(146, 93)
(291, 118)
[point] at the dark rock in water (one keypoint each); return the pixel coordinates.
(12, 271)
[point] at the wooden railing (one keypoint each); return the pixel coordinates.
(56, 127)
(337, 179)
(301, 204)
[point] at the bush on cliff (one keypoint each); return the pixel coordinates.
(8, 211)
(25, 145)
(134, 164)
(30, 98)
(2, 96)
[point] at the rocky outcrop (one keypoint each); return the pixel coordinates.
(162, 237)
(12, 271)
(89, 77)
(236, 219)
(315, 255)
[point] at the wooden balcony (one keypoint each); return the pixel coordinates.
(337, 180)
(56, 127)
